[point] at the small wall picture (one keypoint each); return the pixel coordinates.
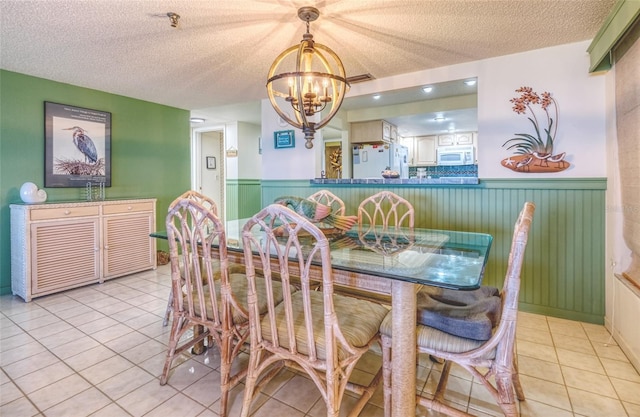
(77, 146)
(211, 162)
(284, 139)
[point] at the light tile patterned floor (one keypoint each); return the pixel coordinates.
(99, 350)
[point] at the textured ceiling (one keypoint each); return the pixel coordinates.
(221, 51)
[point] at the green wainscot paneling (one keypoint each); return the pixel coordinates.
(243, 198)
(564, 267)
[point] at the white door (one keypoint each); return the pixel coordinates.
(209, 168)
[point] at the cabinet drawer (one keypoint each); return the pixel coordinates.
(127, 208)
(64, 212)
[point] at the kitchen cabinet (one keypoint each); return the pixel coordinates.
(422, 149)
(58, 246)
(372, 131)
(452, 139)
(425, 150)
(409, 143)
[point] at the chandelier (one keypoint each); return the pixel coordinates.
(313, 81)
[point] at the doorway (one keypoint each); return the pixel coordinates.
(208, 166)
(333, 159)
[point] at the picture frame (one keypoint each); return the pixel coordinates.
(77, 146)
(284, 139)
(211, 162)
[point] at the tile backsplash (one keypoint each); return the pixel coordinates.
(446, 171)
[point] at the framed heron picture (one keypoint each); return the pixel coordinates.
(77, 146)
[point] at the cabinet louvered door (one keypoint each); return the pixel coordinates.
(64, 254)
(127, 245)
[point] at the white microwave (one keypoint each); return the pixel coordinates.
(455, 155)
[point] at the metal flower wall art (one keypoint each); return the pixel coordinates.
(535, 152)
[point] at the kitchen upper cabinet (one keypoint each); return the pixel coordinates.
(372, 131)
(452, 139)
(394, 133)
(409, 143)
(425, 150)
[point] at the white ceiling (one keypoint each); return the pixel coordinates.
(221, 51)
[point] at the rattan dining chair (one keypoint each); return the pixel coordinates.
(319, 332)
(208, 204)
(327, 198)
(213, 297)
(380, 213)
(493, 358)
(386, 210)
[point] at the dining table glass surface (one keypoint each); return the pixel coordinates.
(443, 258)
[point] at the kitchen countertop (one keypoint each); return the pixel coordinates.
(398, 181)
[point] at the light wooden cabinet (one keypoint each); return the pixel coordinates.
(372, 131)
(409, 143)
(58, 246)
(452, 139)
(425, 150)
(394, 134)
(467, 138)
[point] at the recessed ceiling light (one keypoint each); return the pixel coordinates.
(470, 82)
(376, 97)
(427, 89)
(197, 120)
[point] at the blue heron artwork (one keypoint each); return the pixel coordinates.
(84, 144)
(77, 146)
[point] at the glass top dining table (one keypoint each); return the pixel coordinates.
(442, 258)
(395, 262)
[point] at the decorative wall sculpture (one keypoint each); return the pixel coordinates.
(535, 152)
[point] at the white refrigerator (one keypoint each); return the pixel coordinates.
(369, 160)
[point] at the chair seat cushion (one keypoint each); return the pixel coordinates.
(434, 341)
(239, 285)
(359, 321)
(467, 314)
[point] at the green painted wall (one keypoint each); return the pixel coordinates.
(564, 268)
(149, 155)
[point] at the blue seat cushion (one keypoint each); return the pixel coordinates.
(468, 314)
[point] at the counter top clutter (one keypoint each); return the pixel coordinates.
(400, 181)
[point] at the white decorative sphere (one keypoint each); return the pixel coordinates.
(29, 193)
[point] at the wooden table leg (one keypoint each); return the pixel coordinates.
(403, 349)
(198, 348)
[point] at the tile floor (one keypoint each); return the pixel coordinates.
(99, 351)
